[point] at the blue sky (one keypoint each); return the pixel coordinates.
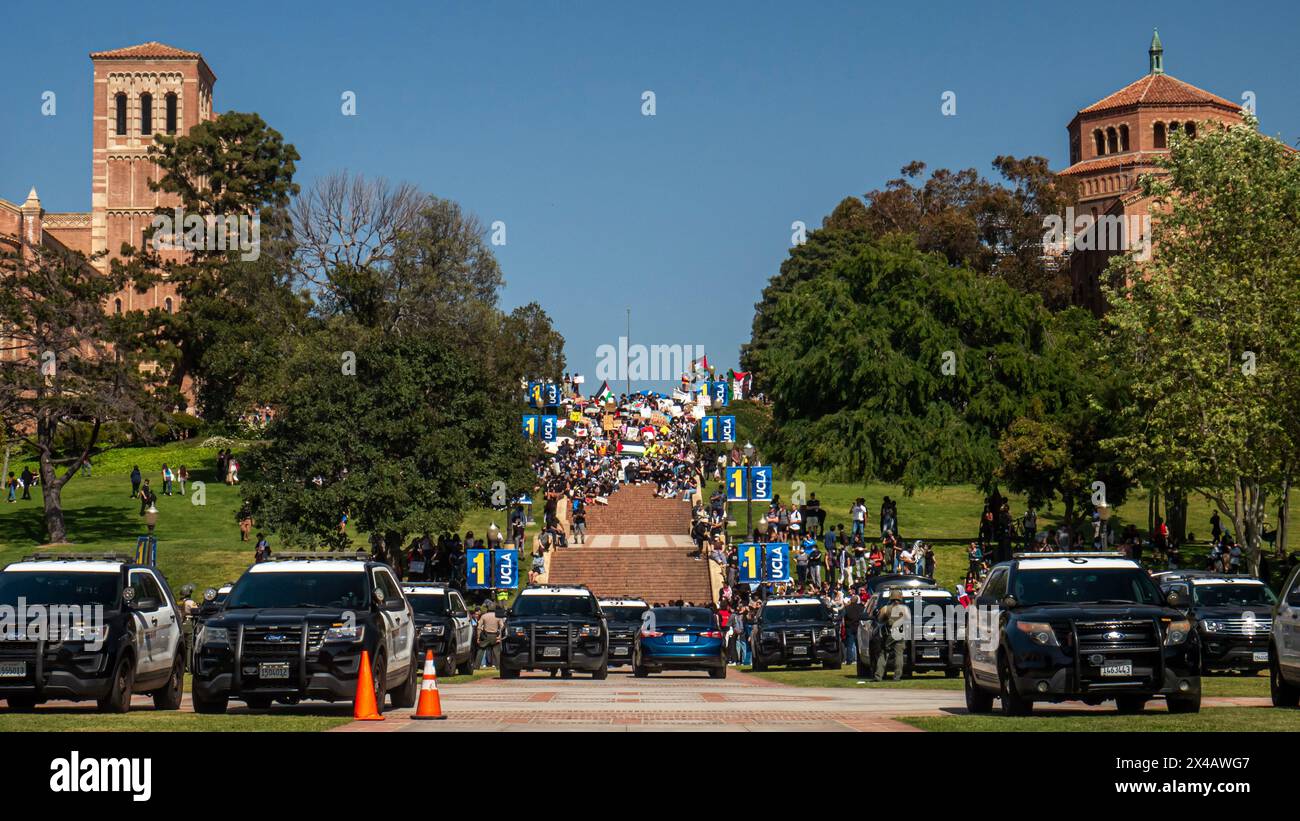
(530, 113)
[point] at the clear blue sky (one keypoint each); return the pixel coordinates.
(530, 112)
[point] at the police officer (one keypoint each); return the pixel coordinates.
(892, 619)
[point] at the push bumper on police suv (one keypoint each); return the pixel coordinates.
(798, 645)
(532, 646)
(43, 670)
(278, 662)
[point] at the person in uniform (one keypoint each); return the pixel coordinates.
(892, 619)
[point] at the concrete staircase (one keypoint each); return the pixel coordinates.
(657, 574)
(637, 545)
(635, 510)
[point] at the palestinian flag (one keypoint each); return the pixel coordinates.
(604, 394)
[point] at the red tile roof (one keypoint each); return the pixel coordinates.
(1159, 89)
(152, 50)
(1129, 160)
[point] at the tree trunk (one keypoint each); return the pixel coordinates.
(52, 497)
(1283, 521)
(1176, 515)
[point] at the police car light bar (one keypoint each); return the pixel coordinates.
(320, 555)
(66, 556)
(1069, 554)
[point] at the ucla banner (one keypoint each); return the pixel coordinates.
(478, 565)
(550, 427)
(749, 559)
(735, 477)
(726, 429)
(709, 430)
(718, 392)
(531, 422)
(760, 483)
(776, 562)
(552, 394)
(535, 394)
(505, 568)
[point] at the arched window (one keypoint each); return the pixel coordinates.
(1160, 136)
(1173, 127)
(1100, 140)
(1190, 128)
(167, 304)
(146, 113)
(1123, 138)
(120, 115)
(1112, 141)
(171, 113)
(117, 306)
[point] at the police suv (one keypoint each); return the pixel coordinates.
(933, 640)
(81, 626)
(623, 618)
(1234, 615)
(796, 631)
(295, 626)
(1081, 626)
(557, 628)
(1284, 645)
(442, 626)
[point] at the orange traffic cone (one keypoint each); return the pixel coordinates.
(430, 706)
(364, 707)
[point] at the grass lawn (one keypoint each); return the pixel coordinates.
(1220, 686)
(149, 721)
(197, 544)
(1210, 719)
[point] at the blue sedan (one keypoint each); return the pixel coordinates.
(680, 638)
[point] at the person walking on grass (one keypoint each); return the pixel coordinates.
(245, 519)
(135, 481)
(27, 478)
(183, 476)
(147, 497)
(11, 485)
(167, 478)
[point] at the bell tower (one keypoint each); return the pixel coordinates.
(140, 91)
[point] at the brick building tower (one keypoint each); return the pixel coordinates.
(1116, 140)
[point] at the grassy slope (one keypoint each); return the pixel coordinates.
(197, 544)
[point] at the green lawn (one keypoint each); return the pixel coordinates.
(1220, 686)
(1210, 719)
(197, 544)
(150, 721)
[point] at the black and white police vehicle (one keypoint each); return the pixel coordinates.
(934, 638)
(1284, 645)
(89, 626)
(557, 628)
(623, 618)
(294, 627)
(443, 626)
(1082, 626)
(796, 631)
(1233, 614)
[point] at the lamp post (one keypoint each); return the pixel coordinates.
(150, 541)
(749, 503)
(151, 517)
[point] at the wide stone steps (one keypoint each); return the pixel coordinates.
(657, 574)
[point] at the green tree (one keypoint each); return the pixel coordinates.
(1207, 324)
(70, 369)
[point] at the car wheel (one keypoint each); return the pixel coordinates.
(718, 672)
(467, 667)
(758, 666)
(378, 672)
(118, 699)
(601, 673)
(1128, 705)
(1013, 704)
(22, 704)
(1184, 704)
(952, 672)
(258, 702)
(168, 697)
(831, 665)
(978, 701)
(507, 672)
(213, 706)
(406, 695)
(640, 672)
(1283, 694)
(446, 666)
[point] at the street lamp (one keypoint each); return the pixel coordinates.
(151, 516)
(749, 503)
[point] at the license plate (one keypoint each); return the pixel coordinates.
(551, 651)
(1260, 655)
(801, 651)
(929, 652)
(1118, 668)
(620, 651)
(13, 669)
(273, 669)
(681, 639)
